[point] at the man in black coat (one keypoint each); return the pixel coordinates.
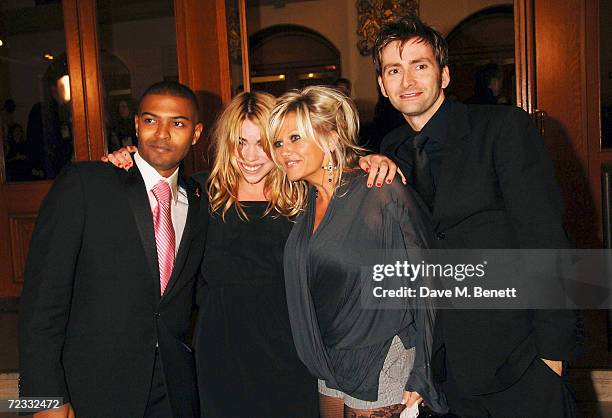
(486, 175)
(108, 294)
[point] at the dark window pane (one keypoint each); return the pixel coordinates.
(35, 117)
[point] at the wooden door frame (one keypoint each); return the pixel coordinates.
(524, 55)
(84, 65)
(204, 65)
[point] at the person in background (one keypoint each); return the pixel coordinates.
(123, 132)
(487, 86)
(49, 129)
(18, 156)
(386, 118)
(344, 85)
(7, 119)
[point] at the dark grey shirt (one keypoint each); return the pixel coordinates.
(436, 129)
(338, 340)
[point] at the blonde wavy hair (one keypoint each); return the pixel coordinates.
(327, 117)
(224, 178)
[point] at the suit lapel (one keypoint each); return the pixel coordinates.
(141, 209)
(453, 162)
(191, 229)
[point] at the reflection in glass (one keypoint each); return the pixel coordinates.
(137, 49)
(605, 40)
(35, 113)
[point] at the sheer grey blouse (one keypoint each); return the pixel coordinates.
(338, 339)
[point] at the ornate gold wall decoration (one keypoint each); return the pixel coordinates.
(372, 14)
(232, 12)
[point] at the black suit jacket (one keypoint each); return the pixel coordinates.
(496, 189)
(91, 313)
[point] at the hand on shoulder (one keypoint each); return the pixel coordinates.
(380, 169)
(121, 158)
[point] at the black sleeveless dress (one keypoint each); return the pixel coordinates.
(246, 361)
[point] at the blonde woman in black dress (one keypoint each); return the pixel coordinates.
(245, 357)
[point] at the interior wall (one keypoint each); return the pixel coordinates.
(149, 54)
(337, 21)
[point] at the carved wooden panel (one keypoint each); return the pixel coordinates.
(9, 386)
(21, 228)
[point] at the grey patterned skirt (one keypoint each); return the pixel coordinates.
(391, 381)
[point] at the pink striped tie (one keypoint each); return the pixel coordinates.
(164, 232)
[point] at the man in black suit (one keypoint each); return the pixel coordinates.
(110, 276)
(485, 173)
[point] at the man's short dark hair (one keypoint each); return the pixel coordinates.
(171, 88)
(405, 29)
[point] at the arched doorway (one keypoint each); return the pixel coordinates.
(284, 57)
(483, 40)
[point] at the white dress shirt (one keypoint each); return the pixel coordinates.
(179, 204)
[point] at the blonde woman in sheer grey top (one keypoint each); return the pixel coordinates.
(351, 350)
